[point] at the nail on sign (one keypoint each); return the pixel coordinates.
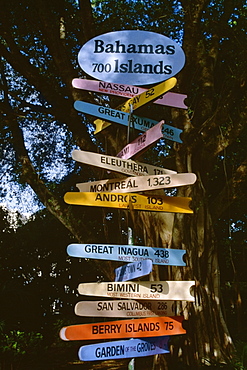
(110, 163)
(128, 253)
(170, 99)
(139, 183)
(159, 290)
(132, 201)
(125, 308)
(139, 57)
(133, 270)
(138, 328)
(124, 349)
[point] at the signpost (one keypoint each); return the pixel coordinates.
(131, 201)
(138, 183)
(170, 99)
(128, 253)
(130, 56)
(133, 270)
(159, 290)
(126, 308)
(110, 163)
(143, 58)
(138, 328)
(124, 349)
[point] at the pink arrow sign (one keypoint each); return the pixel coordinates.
(142, 142)
(170, 99)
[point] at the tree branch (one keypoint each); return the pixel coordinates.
(233, 189)
(88, 26)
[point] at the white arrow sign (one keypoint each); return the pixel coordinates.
(138, 183)
(126, 308)
(159, 290)
(128, 166)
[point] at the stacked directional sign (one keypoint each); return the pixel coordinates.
(146, 308)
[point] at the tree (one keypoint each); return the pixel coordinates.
(36, 281)
(39, 44)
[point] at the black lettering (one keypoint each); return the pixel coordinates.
(118, 46)
(123, 68)
(145, 49)
(98, 46)
(170, 49)
(168, 69)
(94, 329)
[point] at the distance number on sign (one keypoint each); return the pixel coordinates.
(162, 253)
(158, 181)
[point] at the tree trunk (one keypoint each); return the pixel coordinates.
(207, 340)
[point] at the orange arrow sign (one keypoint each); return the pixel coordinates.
(137, 328)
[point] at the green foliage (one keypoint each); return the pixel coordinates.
(239, 360)
(18, 343)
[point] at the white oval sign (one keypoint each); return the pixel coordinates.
(136, 57)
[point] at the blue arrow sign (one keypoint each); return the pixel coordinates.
(100, 111)
(133, 270)
(128, 253)
(117, 116)
(124, 349)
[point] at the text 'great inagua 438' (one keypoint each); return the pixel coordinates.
(129, 56)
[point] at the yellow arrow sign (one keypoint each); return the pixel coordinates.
(139, 100)
(149, 95)
(158, 203)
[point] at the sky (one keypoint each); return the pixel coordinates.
(20, 199)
